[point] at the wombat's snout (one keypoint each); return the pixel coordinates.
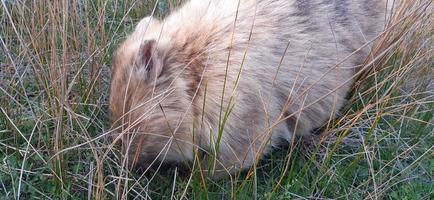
(151, 141)
(137, 152)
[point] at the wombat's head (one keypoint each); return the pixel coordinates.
(147, 102)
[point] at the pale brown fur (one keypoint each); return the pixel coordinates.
(273, 67)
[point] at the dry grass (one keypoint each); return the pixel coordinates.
(54, 77)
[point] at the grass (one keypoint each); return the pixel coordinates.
(55, 60)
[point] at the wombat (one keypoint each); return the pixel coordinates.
(231, 79)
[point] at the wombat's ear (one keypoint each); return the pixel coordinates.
(147, 23)
(148, 62)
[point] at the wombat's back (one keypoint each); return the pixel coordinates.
(294, 56)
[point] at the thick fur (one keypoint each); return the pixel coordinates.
(245, 74)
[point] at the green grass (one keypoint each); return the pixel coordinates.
(54, 77)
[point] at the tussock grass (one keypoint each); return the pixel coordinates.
(54, 77)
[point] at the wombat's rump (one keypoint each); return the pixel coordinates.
(236, 77)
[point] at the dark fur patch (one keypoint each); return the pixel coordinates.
(304, 13)
(194, 62)
(341, 14)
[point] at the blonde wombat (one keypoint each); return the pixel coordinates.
(245, 74)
